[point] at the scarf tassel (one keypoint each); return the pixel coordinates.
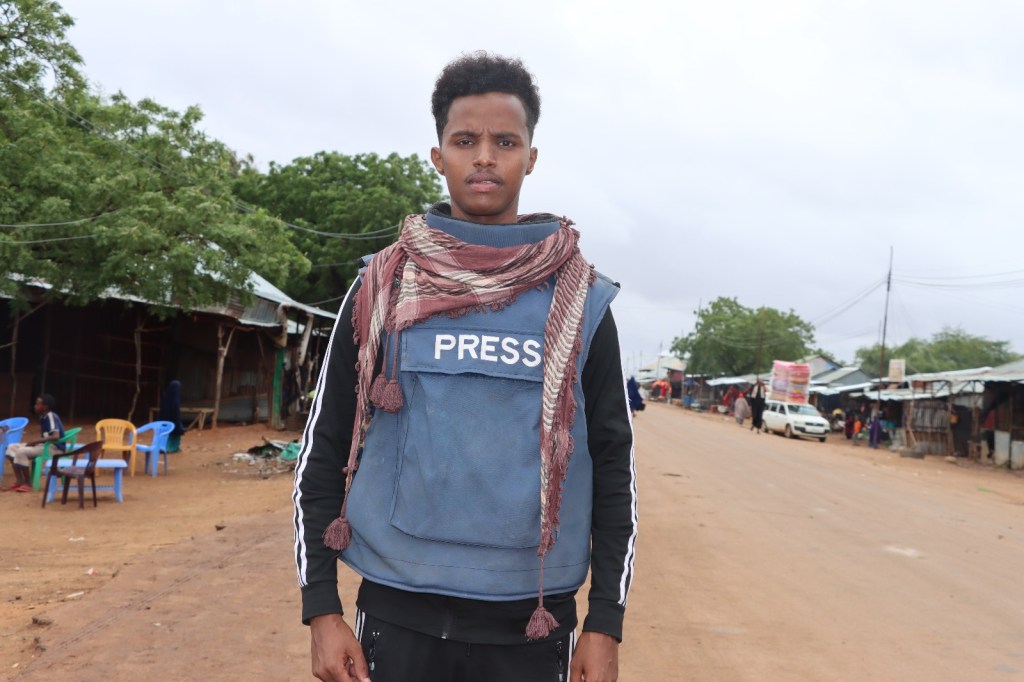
(388, 396)
(377, 389)
(541, 624)
(387, 393)
(338, 535)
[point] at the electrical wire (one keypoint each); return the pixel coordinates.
(329, 300)
(955, 277)
(336, 265)
(48, 241)
(69, 222)
(977, 286)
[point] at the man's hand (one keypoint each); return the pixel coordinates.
(596, 659)
(337, 654)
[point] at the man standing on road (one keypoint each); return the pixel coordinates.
(757, 404)
(471, 425)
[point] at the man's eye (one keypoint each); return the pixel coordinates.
(463, 142)
(507, 143)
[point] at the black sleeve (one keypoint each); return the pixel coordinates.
(319, 475)
(610, 441)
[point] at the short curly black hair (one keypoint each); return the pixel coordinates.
(478, 73)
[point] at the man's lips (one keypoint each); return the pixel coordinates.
(483, 182)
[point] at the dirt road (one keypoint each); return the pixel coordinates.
(764, 558)
(760, 558)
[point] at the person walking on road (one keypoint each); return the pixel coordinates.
(741, 409)
(758, 395)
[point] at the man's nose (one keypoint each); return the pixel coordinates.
(485, 154)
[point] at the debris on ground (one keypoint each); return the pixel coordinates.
(273, 457)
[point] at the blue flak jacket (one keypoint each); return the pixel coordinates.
(447, 496)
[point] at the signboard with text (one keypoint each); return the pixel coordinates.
(790, 382)
(897, 371)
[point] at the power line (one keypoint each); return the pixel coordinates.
(336, 265)
(329, 300)
(976, 286)
(953, 277)
(66, 223)
(48, 241)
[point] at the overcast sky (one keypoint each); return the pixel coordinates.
(771, 151)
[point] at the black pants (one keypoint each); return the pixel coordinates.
(396, 654)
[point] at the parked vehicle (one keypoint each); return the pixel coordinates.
(795, 420)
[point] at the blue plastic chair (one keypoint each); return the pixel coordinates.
(161, 431)
(15, 427)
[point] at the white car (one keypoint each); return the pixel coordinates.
(795, 420)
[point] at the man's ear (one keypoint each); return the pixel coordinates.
(435, 158)
(533, 160)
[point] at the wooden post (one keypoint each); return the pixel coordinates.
(275, 401)
(14, 356)
(13, 345)
(300, 360)
(261, 371)
(46, 346)
(222, 352)
(76, 356)
(138, 364)
(908, 423)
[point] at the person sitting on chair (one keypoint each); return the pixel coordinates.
(22, 454)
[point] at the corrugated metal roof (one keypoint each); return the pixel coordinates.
(942, 390)
(827, 378)
(665, 362)
(1005, 373)
(262, 312)
(951, 375)
(1010, 367)
(267, 291)
(745, 379)
(825, 390)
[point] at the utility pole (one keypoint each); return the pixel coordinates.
(885, 325)
(760, 340)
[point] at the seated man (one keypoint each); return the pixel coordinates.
(22, 454)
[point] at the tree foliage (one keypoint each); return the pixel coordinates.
(364, 196)
(33, 46)
(732, 339)
(103, 194)
(950, 349)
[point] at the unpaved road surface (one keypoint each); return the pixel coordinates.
(760, 558)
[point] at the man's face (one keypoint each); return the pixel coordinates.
(40, 406)
(484, 155)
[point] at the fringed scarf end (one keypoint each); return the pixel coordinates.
(377, 389)
(338, 535)
(541, 624)
(390, 398)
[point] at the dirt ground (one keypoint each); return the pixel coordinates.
(759, 558)
(70, 575)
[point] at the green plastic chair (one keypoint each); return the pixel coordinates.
(37, 464)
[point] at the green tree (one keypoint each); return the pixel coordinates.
(949, 349)
(132, 197)
(732, 339)
(358, 201)
(100, 194)
(32, 45)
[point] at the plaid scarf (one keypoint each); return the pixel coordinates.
(429, 272)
